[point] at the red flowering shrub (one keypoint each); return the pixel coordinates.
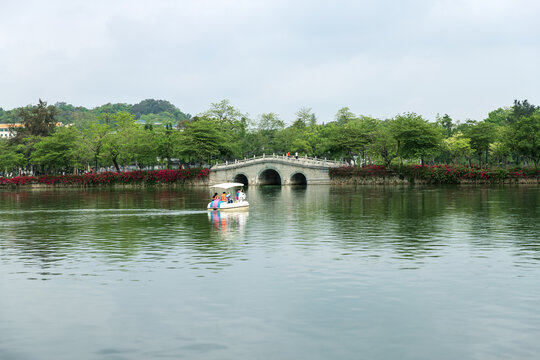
(19, 180)
(112, 178)
(203, 173)
(437, 174)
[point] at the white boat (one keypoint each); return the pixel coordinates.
(236, 204)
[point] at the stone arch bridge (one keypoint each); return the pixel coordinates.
(274, 170)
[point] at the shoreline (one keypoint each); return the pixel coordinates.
(383, 181)
(341, 182)
(357, 176)
(35, 186)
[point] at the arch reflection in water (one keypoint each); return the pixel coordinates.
(228, 222)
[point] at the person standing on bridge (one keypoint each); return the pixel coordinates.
(296, 155)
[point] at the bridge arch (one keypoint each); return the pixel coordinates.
(241, 178)
(298, 178)
(269, 176)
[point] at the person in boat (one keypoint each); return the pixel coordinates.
(215, 201)
(229, 200)
(224, 197)
(240, 195)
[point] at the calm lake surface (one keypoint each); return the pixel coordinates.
(313, 272)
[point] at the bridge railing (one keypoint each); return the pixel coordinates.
(304, 160)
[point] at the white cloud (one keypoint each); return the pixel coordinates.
(380, 58)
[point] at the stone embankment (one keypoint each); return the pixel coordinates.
(435, 174)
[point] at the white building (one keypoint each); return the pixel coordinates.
(6, 130)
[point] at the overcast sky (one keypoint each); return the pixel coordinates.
(377, 57)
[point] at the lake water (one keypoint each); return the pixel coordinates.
(314, 272)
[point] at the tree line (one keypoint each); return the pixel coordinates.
(63, 139)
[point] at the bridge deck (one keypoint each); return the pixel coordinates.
(291, 160)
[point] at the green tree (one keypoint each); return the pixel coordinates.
(10, 159)
(26, 147)
(304, 118)
(416, 137)
(59, 152)
(8, 116)
(167, 139)
(270, 122)
(344, 115)
(252, 144)
(161, 118)
(268, 126)
(230, 121)
(459, 146)
(301, 145)
(525, 137)
(285, 138)
(38, 120)
(143, 146)
(521, 109)
(320, 139)
(500, 116)
(201, 142)
(112, 108)
(158, 107)
(69, 114)
(384, 144)
(117, 144)
(224, 113)
(445, 122)
(354, 138)
(94, 137)
(482, 134)
(82, 120)
(500, 149)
